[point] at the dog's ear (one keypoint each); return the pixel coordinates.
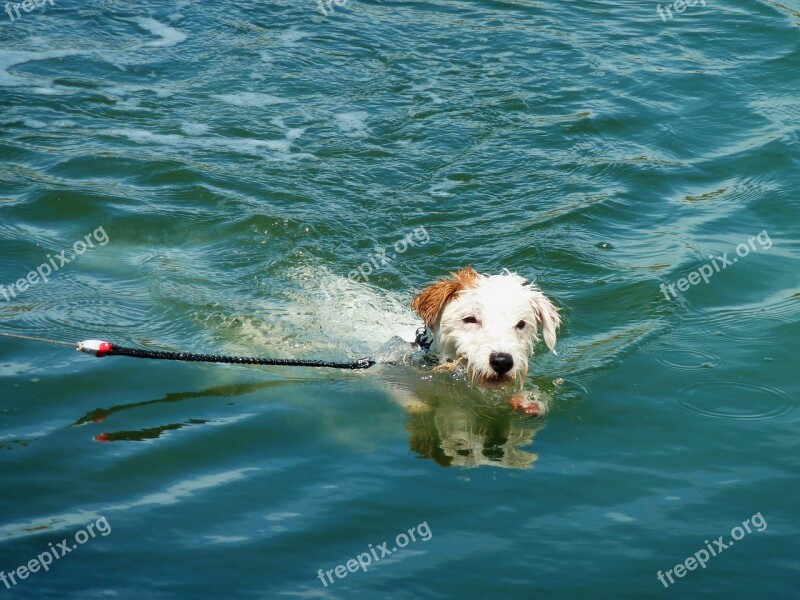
(431, 301)
(547, 315)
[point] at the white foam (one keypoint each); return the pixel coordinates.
(249, 99)
(291, 36)
(352, 123)
(426, 89)
(129, 104)
(247, 146)
(53, 91)
(145, 137)
(442, 189)
(169, 35)
(34, 123)
(291, 134)
(194, 128)
(12, 58)
(241, 145)
(365, 317)
(37, 124)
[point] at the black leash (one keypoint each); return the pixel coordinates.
(101, 349)
(115, 350)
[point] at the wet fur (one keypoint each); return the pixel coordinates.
(510, 313)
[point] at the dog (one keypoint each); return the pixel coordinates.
(490, 323)
(468, 319)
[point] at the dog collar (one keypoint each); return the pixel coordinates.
(423, 339)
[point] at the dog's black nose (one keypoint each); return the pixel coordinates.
(501, 362)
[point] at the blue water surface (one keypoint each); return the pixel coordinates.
(225, 177)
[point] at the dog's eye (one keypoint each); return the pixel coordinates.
(521, 325)
(470, 320)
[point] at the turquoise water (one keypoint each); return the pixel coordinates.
(234, 165)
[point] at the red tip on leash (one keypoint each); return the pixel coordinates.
(96, 347)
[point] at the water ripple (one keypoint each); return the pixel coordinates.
(737, 400)
(687, 360)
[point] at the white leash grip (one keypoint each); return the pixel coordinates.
(97, 347)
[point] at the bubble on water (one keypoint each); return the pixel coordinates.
(304, 228)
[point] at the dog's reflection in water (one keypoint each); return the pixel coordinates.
(452, 438)
(458, 426)
(455, 424)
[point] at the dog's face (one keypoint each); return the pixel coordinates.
(491, 322)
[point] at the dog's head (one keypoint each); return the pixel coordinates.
(491, 321)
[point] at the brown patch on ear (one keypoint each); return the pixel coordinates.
(431, 301)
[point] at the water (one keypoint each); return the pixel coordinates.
(241, 159)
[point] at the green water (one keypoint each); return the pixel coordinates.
(232, 163)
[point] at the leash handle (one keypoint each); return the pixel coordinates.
(96, 347)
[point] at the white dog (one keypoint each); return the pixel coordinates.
(491, 323)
